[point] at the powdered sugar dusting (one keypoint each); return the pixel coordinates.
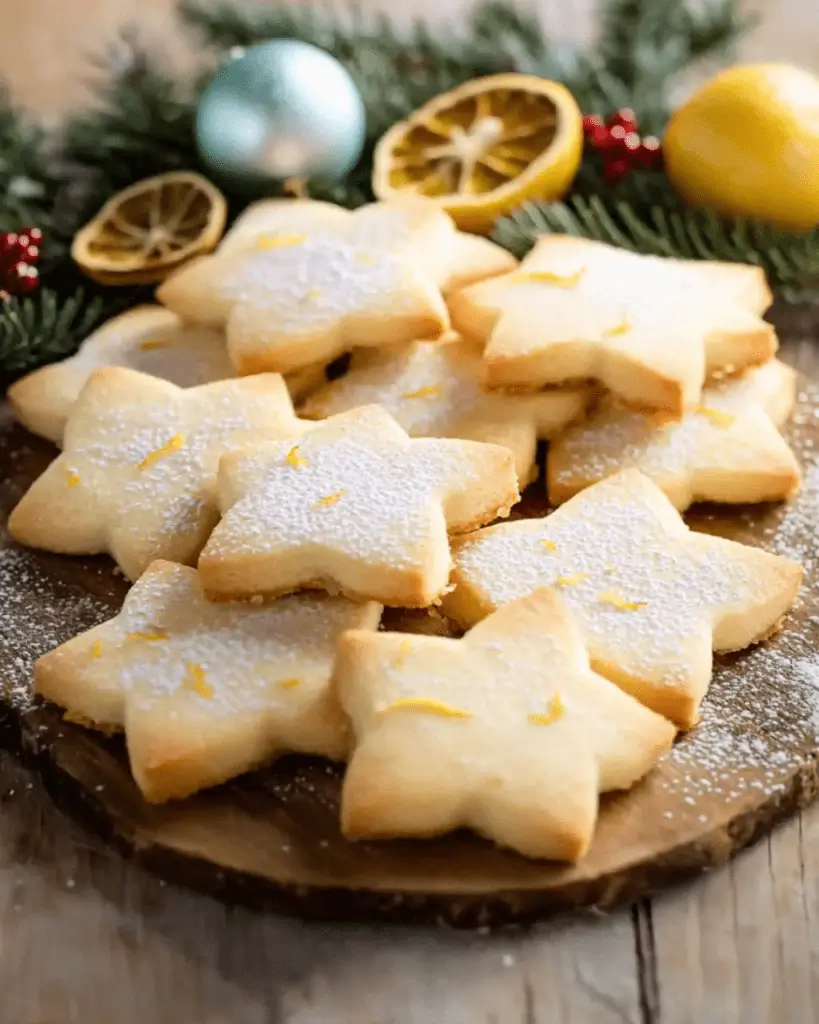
(760, 719)
(732, 428)
(241, 648)
(647, 594)
(356, 486)
(316, 282)
(434, 390)
(147, 470)
(37, 613)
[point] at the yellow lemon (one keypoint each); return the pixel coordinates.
(484, 148)
(747, 143)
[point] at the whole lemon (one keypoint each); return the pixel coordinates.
(747, 144)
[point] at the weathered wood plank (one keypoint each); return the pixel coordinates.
(740, 947)
(87, 937)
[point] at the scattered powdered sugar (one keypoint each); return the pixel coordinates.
(318, 281)
(434, 390)
(272, 658)
(647, 597)
(186, 355)
(760, 720)
(358, 489)
(148, 470)
(37, 613)
(731, 427)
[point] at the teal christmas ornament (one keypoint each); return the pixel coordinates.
(278, 110)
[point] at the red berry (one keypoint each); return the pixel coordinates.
(632, 142)
(601, 139)
(34, 234)
(591, 122)
(618, 137)
(624, 118)
(615, 170)
(8, 241)
(27, 279)
(650, 152)
(32, 254)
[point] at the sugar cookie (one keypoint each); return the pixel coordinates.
(649, 329)
(205, 692)
(507, 731)
(352, 505)
(148, 338)
(727, 449)
(652, 597)
(308, 291)
(137, 475)
(435, 391)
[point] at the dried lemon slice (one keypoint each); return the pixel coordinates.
(484, 148)
(151, 228)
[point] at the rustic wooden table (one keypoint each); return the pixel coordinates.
(87, 937)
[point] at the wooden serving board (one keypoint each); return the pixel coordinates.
(272, 838)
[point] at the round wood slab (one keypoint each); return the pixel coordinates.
(272, 838)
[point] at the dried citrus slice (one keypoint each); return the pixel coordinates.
(484, 148)
(151, 228)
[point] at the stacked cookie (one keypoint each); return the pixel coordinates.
(591, 630)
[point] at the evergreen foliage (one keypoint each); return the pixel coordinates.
(142, 120)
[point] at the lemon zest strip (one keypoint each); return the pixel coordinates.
(570, 581)
(171, 446)
(264, 242)
(427, 392)
(557, 709)
(435, 707)
(294, 459)
(620, 603)
(716, 416)
(195, 680)
(552, 277)
(331, 499)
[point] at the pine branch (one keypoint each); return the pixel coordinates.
(141, 124)
(643, 45)
(44, 327)
(27, 183)
(790, 261)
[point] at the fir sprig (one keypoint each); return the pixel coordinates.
(790, 261)
(28, 185)
(44, 327)
(140, 123)
(645, 46)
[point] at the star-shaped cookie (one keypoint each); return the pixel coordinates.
(649, 329)
(308, 291)
(148, 338)
(353, 505)
(435, 391)
(137, 476)
(205, 692)
(727, 449)
(652, 598)
(507, 731)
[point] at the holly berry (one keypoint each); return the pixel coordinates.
(619, 143)
(624, 118)
(591, 122)
(19, 252)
